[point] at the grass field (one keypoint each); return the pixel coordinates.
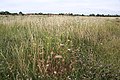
(59, 48)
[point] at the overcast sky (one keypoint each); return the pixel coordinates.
(62, 6)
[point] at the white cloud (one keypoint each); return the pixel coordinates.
(85, 6)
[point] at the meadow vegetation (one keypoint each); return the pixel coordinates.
(59, 48)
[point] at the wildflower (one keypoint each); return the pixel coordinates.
(41, 53)
(101, 65)
(47, 65)
(55, 72)
(62, 45)
(39, 76)
(69, 78)
(52, 53)
(34, 44)
(38, 66)
(58, 56)
(63, 60)
(101, 43)
(69, 49)
(68, 40)
(8, 75)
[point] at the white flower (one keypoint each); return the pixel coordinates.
(47, 65)
(52, 53)
(101, 43)
(55, 72)
(61, 45)
(58, 56)
(69, 49)
(68, 40)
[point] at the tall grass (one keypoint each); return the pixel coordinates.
(59, 48)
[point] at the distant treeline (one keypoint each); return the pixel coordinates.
(67, 14)
(8, 13)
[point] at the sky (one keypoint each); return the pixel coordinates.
(62, 6)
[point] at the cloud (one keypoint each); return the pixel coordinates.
(56, 6)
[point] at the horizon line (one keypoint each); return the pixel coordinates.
(25, 12)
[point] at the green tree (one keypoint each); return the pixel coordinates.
(20, 13)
